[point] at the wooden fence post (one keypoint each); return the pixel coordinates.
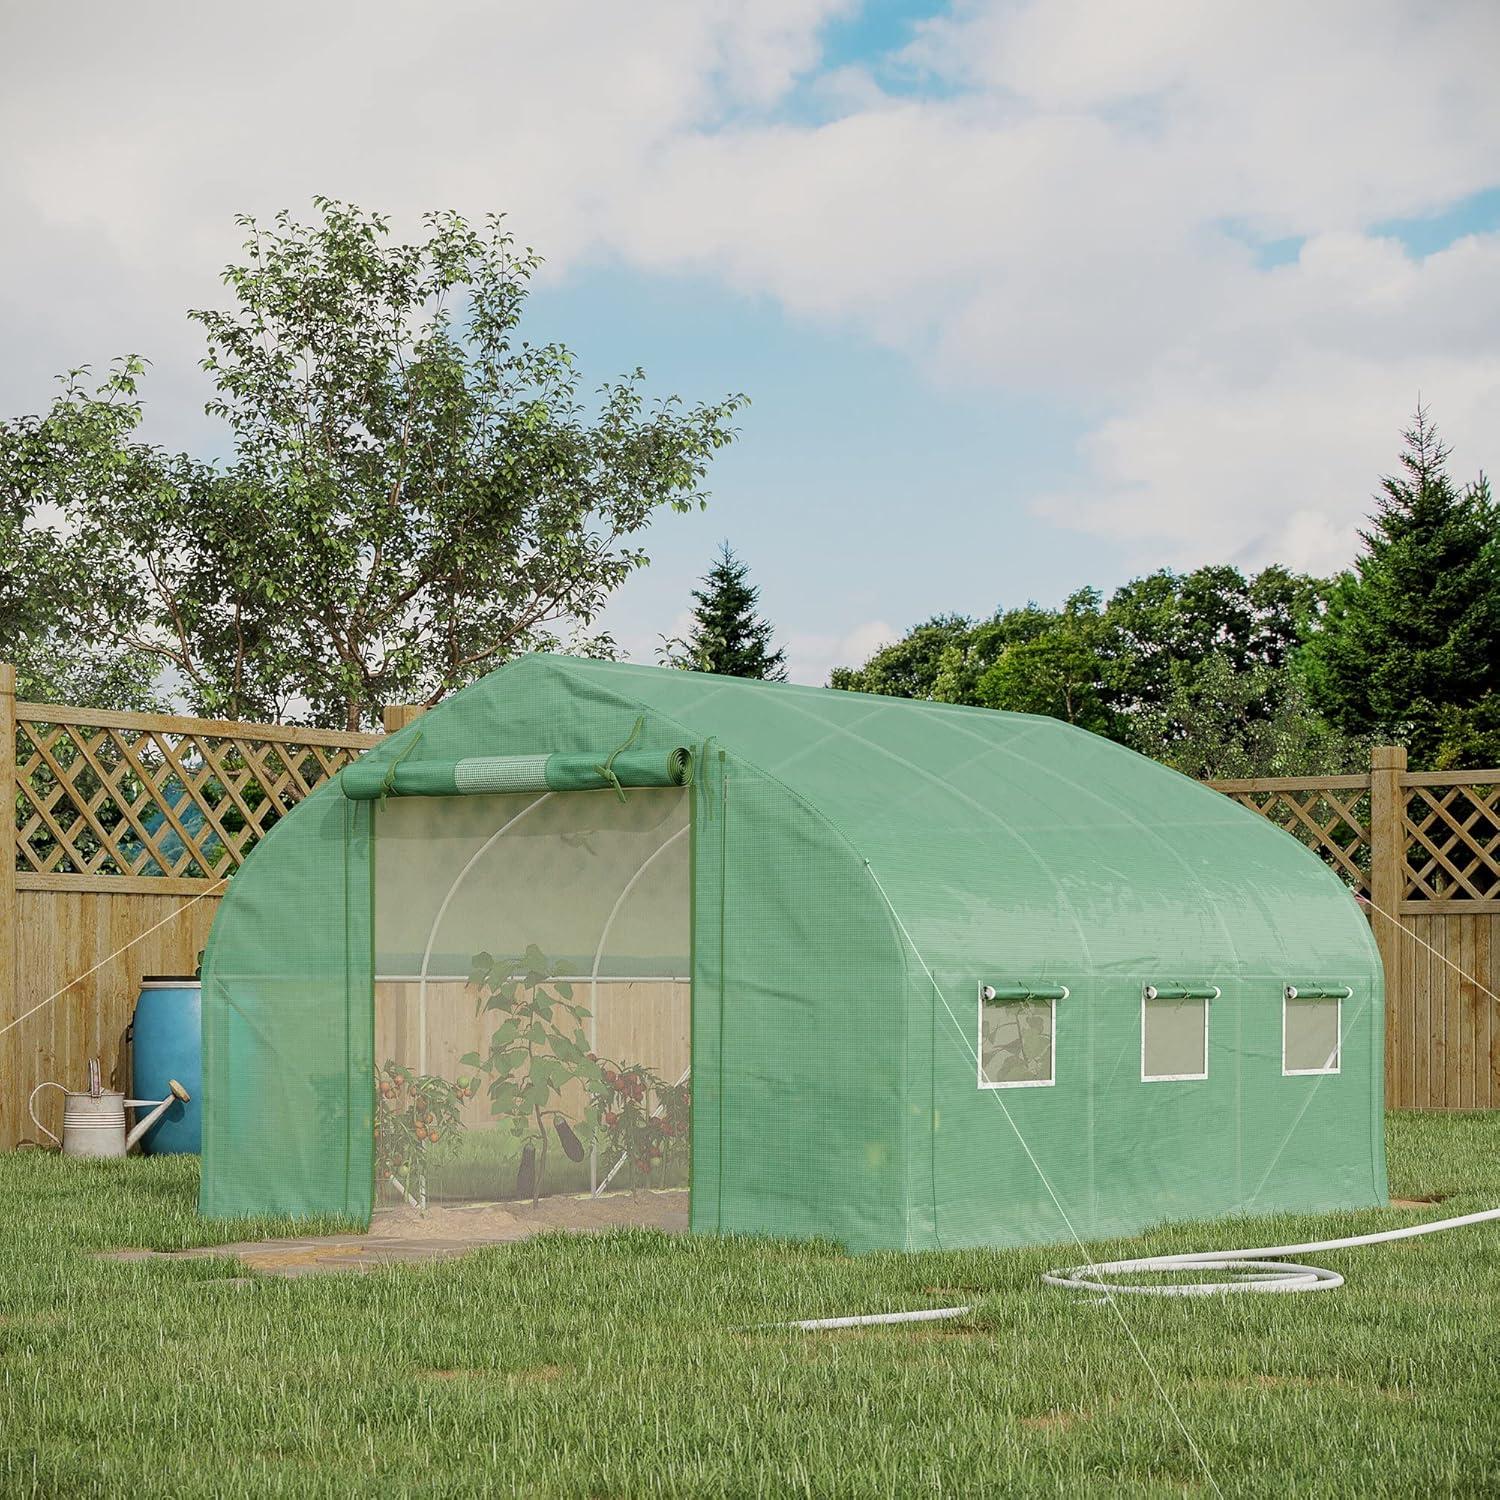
(8, 933)
(398, 715)
(1388, 885)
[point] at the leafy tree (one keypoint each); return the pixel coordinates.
(1058, 669)
(1168, 663)
(1167, 623)
(964, 664)
(48, 583)
(910, 667)
(1225, 720)
(417, 493)
(728, 636)
(1410, 646)
(438, 499)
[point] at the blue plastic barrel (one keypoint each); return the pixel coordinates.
(167, 1043)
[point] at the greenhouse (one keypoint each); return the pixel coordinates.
(900, 974)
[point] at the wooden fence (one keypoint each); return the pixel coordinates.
(1423, 850)
(126, 828)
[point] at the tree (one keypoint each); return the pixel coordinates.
(728, 636)
(1168, 624)
(1057, 667)
(1223, 720)
(44, 576)
(1196, 669)
(417, 493)
(908, 668)
(1410, 646)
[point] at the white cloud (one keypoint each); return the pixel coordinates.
(134, 136)
(1076, 216)
(811, 656)
(1067, 211)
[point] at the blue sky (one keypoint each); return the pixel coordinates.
(1027, 294)
(861, 488)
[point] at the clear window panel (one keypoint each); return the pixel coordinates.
(1174, 1038)
(1310, 1036)
(529, 949)
(1016, 1041)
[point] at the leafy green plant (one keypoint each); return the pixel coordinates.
(539, 1048)
(640, 1116)
(412, 1112)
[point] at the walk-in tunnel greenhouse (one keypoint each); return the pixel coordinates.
(902, 974)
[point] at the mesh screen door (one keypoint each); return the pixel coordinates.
(532, 995)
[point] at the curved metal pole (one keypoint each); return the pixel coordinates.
(442, 911)
(614, 911)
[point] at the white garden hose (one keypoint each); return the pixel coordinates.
(870, 1320)
(1257, 1270)
(1250, 1271)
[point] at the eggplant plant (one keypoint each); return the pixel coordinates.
(539, 1048)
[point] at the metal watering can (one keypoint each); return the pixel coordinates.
(94, 1122)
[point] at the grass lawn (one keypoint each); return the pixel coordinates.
(613, 1366)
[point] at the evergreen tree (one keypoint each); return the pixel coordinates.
(1410, 646)
(728, 636)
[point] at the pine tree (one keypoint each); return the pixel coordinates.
(1410, 646)
(728, 637)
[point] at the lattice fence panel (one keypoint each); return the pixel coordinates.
(140, 798)
(1452, 843)
(1334, 822)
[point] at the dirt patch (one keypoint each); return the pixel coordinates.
(402, 1236)
(1416, 1202)
(1055, 1421)
(498, 1223)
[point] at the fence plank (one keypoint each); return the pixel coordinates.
(1463, 1015)
(8, 897)
(1388, 865)
(1452, 778)
(1291, 783)
(1491, 977)
(107, 718)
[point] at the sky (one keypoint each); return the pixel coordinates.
(1026, 294)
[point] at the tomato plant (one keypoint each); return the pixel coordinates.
(412, 1111)
(640, 1116)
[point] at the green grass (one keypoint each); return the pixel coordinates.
(619, 1366)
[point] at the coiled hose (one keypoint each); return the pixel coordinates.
(1256, 1270)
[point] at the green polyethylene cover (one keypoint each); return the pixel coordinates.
(861, 869)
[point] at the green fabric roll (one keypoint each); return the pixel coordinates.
(488, 774)
(585, 773)
(366, 782)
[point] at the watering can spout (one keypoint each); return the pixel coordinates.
(142, 1126)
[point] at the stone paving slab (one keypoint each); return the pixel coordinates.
(405, 1237)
